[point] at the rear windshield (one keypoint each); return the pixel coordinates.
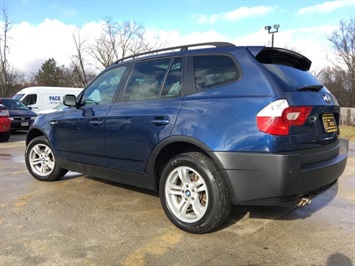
(290, 78)
(13, 104)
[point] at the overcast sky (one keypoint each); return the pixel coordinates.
(43, 29)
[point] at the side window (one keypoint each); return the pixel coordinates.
(102, 90)
(30, 99)
(172, 85)
(146, 80)
(214, 70)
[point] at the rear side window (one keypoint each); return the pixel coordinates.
(154, 79)
(214, 70)
(172, 85)
(145, 80)
(290, 78)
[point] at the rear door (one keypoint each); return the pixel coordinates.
(289, 70)
(146, 115)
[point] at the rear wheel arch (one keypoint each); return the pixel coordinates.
(172, 147)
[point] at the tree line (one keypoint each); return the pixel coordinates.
(120, 39)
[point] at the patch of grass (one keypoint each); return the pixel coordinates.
(347, 132)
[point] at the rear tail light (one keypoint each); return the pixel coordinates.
(277, 117)
(4, 112)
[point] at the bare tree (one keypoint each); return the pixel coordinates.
(119, 40)
(131, 39)
(78, 59)
(101, 51)
(343, 43)
(334, 79)
(4, 49)
(11, 79)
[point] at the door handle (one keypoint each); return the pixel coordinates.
(159, 121)
(95, 123)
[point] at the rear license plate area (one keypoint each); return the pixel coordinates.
(329, 123)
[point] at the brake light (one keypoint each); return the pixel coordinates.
(4, 112)
(277, 117)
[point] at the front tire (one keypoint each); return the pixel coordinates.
(41, 161)
(193, 193)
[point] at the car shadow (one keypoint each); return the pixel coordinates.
(242, 216)
(124, 186)
(318, 203)
(240, 213)
(70, 175)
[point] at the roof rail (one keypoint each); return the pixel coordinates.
(181, 47)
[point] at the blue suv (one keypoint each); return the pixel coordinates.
(206, 125)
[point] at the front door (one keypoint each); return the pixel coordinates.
(79, 134)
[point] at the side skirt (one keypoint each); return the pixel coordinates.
(141, 180)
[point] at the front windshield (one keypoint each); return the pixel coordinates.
(12, 104)
(18, 96)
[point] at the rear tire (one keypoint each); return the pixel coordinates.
(41, 161)
(194, 194)
(5, 136)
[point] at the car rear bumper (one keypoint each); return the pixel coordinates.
(281, 178)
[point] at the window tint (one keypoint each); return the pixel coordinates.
(214, 70)
(146, 80)
(30, 99)
(102, 90)
(172, 85)
(290, 78)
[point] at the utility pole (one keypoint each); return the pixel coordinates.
(268, 28)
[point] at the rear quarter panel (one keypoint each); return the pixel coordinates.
(224, 117)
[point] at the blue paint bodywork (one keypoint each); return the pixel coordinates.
(133, 137)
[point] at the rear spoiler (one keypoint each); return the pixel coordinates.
(272, 55)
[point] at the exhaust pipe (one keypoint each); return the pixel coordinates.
(303, 202)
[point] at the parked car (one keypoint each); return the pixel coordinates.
(206, 127)
(40, 98)
(21, 117)
(5, 124)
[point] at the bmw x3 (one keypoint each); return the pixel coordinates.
(206, 125)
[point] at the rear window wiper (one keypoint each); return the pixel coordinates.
(311, 88)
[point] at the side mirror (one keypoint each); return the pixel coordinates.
(69, 100)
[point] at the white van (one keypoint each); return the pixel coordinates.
(41, 98)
